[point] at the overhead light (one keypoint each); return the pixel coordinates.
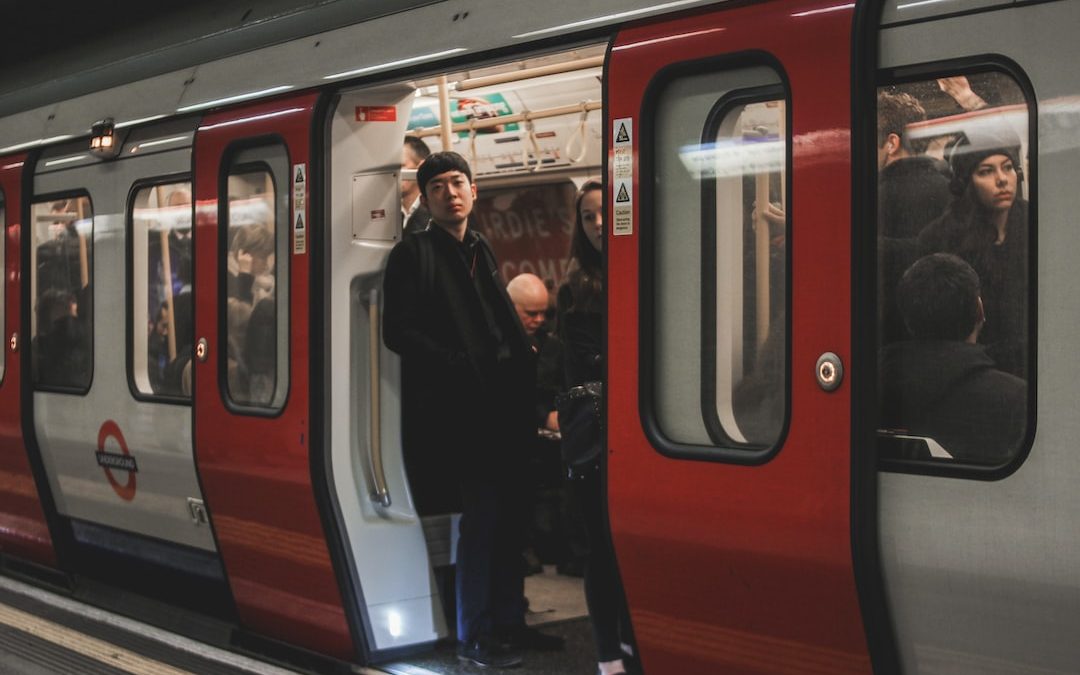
(607, 18)
(160, 141)
(131, 123)
(919, 3)
(824, 10)
(103, 141)
(251, 118)
(31, 144)
(64, 160)
(233, 99)
(394, 64)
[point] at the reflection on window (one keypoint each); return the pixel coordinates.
(252, 286)
(720, 261)
(953, 271)
(61, 278)
(161, 293)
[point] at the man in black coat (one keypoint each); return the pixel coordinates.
(941, 384)
(913, 189)
(468, 379)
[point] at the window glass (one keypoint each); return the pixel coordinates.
(954, 277)
(720, 263)
(62, 278)
(161, 289)
(256, 284)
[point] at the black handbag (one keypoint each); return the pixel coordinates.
(580, 427)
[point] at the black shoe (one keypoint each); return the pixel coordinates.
(526, 638)
(488, 653)
(571, 568)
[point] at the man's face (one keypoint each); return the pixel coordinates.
(531, 311)
(449, 198)
(408, 161)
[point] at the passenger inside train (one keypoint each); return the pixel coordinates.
(63, 328)
(971, 205)
(941, 383)
(252, 322)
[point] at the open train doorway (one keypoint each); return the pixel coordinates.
(531, 131)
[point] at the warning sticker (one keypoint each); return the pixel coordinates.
(299, 207)
(376, 113)
(623, 162)
(622, 174)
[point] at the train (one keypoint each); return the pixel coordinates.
(196, 405)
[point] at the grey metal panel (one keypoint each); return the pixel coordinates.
(472, 26)
(984, 577)
(165, 44)
(159, 435)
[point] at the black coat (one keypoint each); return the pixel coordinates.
(418, 221)
(912, 191)
(1003, 276)
(467, 410)
(950, 391)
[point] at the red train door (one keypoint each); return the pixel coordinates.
(251, 374)
(23, 529)
(729, 445)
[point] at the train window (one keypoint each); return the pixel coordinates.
(160, 226)
(955, 269)
(719, 272)
(256, 278)
(62, 287)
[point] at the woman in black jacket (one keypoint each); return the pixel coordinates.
(581, 329)
(987, 225)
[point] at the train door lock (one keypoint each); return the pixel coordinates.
(14, 342)
(830, 371)
(202, 350)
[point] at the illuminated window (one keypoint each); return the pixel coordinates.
(161, 289)
(719, 266)
(62, 319)
(256, 279)
(955, 272)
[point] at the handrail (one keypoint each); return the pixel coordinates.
(381, 495)
(530, 73)
(487, 122)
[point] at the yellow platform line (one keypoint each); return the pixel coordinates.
(75, 641)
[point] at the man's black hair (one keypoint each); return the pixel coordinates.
(418, 147)
(441, 162)
(938, 298)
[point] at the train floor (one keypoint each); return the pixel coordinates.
(43, 633)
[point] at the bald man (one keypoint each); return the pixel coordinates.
(530, 298)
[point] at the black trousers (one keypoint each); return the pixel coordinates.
(603, 588)
(490, 572)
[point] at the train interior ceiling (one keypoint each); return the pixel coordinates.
(531, 131)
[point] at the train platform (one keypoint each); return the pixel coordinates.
(46, 633)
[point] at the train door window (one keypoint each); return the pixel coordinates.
(161, 307)
(719, 271)
(956, 246)
(256, 274)
(62, 287)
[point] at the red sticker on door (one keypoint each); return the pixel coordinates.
(376, 113)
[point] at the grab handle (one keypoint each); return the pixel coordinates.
(381, 495)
